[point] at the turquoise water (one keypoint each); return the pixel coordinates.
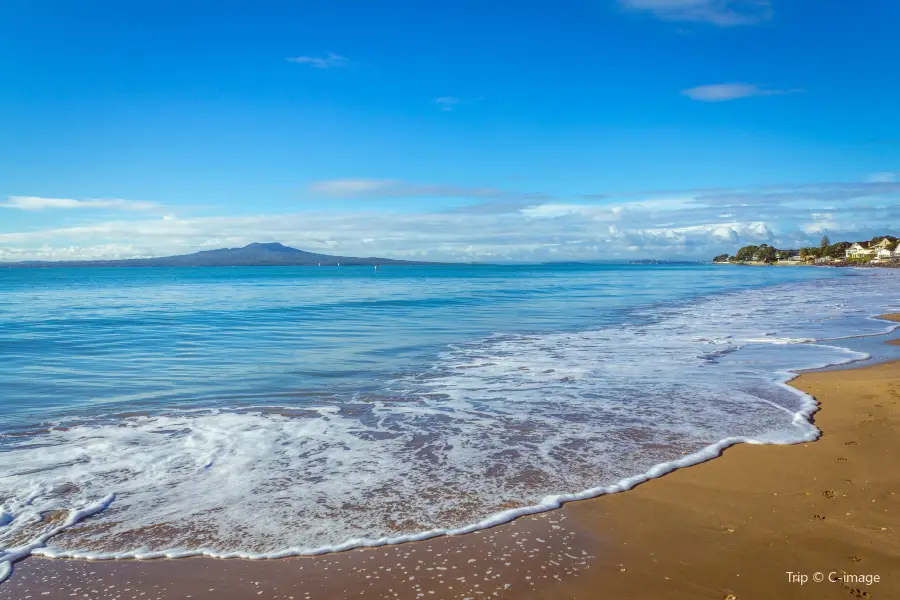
(126, 340)
(280, 410)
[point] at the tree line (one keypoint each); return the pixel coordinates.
(769, 254)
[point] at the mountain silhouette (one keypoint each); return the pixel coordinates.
(253, 255)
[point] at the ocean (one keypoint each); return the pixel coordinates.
(275, 411)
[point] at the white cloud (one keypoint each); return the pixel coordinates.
(824, 223)
(395, 188)
(759, 230)
(329, 61)
(447, 103)
(724, 13)
(549, 211)
(37, 203)
(883, 177)
(726, 234)
(73, 252)
(720, 92)
(653, 225)
(352, 187)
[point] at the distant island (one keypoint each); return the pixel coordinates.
(881, 251)
(253, 255)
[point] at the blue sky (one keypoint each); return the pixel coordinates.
(473, 130)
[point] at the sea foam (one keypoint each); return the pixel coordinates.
(491, 430)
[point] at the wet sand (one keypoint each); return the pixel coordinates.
(734, 527)
(737, 525)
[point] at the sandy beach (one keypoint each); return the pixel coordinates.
(759, 522)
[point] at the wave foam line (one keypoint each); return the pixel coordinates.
(8, 557)
(801, 418)
(548, 503)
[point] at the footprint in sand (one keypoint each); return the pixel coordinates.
(850, 443)
(855, 559)
(818, 518)
(841, 459)
(828, 494)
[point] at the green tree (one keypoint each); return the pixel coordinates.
(878, 238)
(766, 253)
(838, 250)
(721, 258)
(746, 253)
(825, 242)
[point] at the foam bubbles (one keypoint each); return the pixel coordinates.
(493, 429)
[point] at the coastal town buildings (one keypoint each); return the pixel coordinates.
(885, 250)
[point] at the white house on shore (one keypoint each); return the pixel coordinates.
(888, 255)
(883, 251)
(861, 250)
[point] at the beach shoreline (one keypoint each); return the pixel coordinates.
(763, 521)
(738, 525)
